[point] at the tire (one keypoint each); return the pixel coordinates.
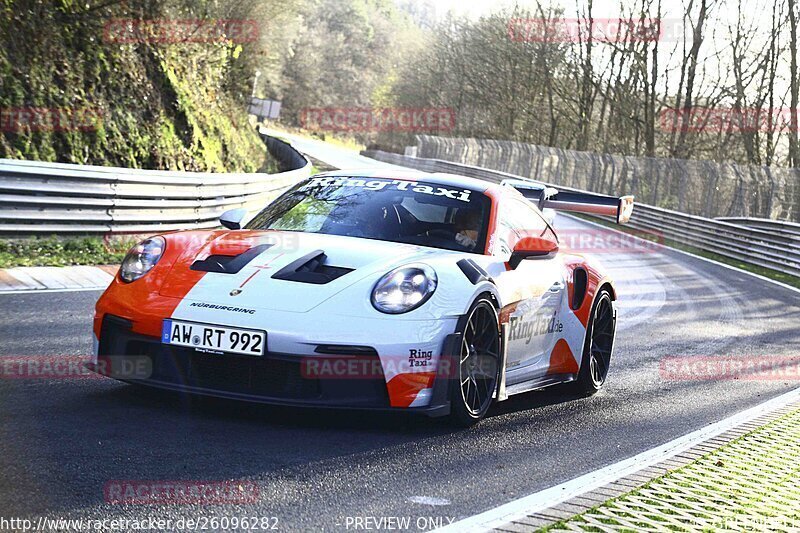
(598, 346)
(475, 382)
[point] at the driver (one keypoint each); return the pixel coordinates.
(467, 226)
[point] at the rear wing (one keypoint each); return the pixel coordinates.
(546, 197)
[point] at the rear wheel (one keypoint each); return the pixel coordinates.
(478, 365)
(598, 346)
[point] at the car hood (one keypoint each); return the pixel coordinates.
(277, 270)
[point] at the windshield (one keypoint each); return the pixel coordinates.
(409, 212)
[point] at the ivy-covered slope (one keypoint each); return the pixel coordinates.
(155, 105)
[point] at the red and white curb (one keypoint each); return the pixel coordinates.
(49, 279)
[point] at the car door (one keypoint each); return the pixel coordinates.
(534, 293)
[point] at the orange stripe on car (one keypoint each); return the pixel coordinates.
(561, 359)
(403, 388)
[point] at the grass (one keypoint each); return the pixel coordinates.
(342, 141)
(52, 251)
(749, 481)
(338, 139)
(788, 279)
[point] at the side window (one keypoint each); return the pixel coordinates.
(540, 226)
(516, 220)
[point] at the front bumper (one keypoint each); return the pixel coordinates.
(275, 378)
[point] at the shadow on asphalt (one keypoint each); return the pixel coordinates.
(225, 410)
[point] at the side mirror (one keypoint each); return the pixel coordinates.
(532, 247)
(232, 219)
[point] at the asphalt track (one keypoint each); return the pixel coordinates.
(62, 440)
(330, 154)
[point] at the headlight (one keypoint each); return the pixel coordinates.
(404, 289)
(142, 258)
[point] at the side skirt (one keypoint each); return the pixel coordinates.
(540, 383)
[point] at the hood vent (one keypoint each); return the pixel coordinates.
(310, 269)
(229, 264)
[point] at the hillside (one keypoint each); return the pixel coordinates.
(135, 103)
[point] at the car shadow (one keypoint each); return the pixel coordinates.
(224, 410)
(393, 422)
(129, 432)
(535, 399)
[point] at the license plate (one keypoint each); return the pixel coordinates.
(210, 338)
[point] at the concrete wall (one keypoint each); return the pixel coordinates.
(704, 188)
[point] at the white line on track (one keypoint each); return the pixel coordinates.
(547, 498)
(45, 291)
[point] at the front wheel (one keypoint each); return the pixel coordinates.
(598, 345)
(478, 365)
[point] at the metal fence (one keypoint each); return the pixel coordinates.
(773, 226)
(57, 198)
(704, 188)
(762, 247)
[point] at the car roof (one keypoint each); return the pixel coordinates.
(450, 180)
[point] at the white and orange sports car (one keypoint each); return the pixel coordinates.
(410, 291)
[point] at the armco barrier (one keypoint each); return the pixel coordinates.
(57, 198)
(776, 250)
(773, 226)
